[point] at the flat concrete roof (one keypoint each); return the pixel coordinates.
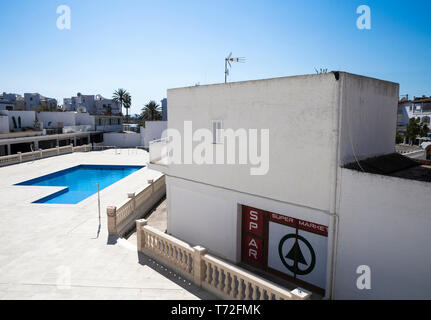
(46, 137)
(334, 73)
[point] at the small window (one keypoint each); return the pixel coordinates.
(217, 126)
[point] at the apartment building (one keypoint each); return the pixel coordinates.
(93, 104)
(35, 101)
(414, 108)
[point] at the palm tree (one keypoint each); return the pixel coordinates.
(119, 97)
(151, 112)
(127, 104)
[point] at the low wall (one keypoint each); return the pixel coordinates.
(122, 219)
(122, 140)
(41, 153)
(225, 280)
(153, 131)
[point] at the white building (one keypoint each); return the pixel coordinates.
(416, 108)
(339, 218)
(93, 104)
(11, 101)
(36, 100)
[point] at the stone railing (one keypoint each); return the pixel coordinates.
(41, 153)
(83, 148)
(122, 219)
(223, 279)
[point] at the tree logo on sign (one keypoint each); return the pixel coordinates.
(295, 254)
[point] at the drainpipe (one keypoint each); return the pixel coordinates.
(335, 187)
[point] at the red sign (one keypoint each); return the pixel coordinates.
(253, 249)
(300, 224)
(253, 221)
(288, 221)
(313, 227)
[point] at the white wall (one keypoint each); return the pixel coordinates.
(369, 117)
(52, 119)
(4, 124)
(122, 140)
(153, 131)
(208, 216)
(83, 119)
(385, 223)
(298, 111)
(27, 118)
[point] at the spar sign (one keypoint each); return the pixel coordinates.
(288, 247)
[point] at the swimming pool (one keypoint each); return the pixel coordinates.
(79, 182)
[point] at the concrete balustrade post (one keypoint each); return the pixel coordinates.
(151, 182)
(111, 212)
(58, 149)
(198, 264)
(140, 224)
(133, 197)
(20, 156)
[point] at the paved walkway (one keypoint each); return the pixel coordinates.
(61, 251)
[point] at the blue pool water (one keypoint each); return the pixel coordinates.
(80, 182)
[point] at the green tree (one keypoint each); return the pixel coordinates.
(119, 96)
(127, 104)
(399, 138)
(151, 112)
(416, 129)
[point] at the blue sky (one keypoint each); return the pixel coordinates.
(150, 46)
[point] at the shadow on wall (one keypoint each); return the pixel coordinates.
(174, 277)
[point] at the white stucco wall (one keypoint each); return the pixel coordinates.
(122, 140)
(299, 113)
(84, 119)
(208, 216)
(52, 119)
(27, 118)
(153, 131)
(369, 117)
(385, 223)
(4, 124)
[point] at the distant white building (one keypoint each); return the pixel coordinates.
(312, 218)
(93, 104)
(11, 101)
(416, 108)
(33, 101)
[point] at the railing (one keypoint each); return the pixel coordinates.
(83, 148)
(176, 254)
(80, 128)
(221, 278)
(159, 151)
(122, 219)
(41, 153)
(8, 160)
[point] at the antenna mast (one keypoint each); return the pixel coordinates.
(227, 64)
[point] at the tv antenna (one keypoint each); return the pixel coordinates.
(227, 64)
